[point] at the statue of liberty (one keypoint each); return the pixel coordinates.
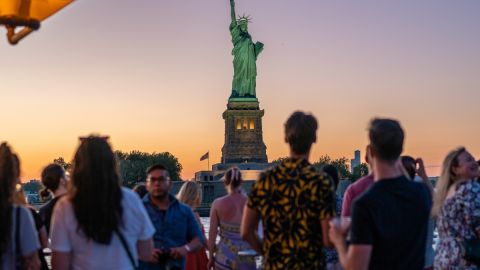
(245, 54)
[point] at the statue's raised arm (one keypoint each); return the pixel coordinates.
(245, 53)
(232, 12)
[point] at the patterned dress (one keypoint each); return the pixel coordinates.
(459, 219)
(226, 254)
(331, 255)
(291, 199)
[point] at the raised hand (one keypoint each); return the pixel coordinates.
(421, 169)
(232, 6)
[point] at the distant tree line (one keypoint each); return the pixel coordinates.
(60, 161)
(341, 164)
(133, 165)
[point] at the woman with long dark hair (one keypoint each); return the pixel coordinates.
(54, 179)
(99, 220)
(18, 236)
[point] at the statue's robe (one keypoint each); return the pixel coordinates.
(245, 54)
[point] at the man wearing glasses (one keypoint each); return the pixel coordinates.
(177, 232)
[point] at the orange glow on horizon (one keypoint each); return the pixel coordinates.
(34, 160)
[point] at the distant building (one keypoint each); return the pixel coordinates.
(356, 161)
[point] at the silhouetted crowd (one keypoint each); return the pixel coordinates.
(293, 218)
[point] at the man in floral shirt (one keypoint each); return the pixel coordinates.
(294, 202)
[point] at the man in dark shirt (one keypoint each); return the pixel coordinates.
(389, 221)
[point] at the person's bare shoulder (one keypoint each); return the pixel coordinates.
(244, 198)
(218, 202)
(64, 201)
(221, 199)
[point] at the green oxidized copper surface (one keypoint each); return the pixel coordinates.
(243, 99)
(245, 54)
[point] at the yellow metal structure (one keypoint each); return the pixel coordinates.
(27, 14)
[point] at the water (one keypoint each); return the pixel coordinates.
(206, 224)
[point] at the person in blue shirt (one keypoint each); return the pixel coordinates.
(177, 231)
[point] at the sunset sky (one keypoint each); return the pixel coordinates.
(156, 76)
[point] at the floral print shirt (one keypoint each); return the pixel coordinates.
(292, 198)
(458, 220)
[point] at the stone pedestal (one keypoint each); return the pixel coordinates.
(243, 132)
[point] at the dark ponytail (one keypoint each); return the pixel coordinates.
(44, 194)
(8, 175)
(233, 178)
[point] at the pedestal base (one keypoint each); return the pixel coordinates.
(243, 133)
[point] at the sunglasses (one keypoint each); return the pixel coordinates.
(160, 179)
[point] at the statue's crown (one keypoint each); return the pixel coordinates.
(244, 18)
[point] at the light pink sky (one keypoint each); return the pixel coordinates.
(156, 75)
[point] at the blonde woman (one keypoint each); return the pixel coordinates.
(457, 204)
(191, 195)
